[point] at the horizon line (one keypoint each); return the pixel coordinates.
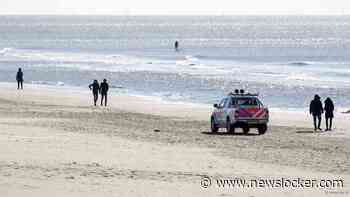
(212, 14)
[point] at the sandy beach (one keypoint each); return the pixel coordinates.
(54, 142)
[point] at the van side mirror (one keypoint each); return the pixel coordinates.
(216, 105)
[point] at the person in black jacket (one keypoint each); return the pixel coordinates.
(95, 87)
(103, 90)
(329, 108)
(19, 78)
(316, 110)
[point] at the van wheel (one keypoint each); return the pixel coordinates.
(213, 126)
(229, 127)
(245, 129)
(262, 129)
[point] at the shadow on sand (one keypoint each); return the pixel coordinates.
(229, 134)
(308, 131)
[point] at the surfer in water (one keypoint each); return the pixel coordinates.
(176, 45)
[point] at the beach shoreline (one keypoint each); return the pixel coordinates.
(54, 142)
(158, 106)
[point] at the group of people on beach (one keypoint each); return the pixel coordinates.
(95, 87)
(317, 109)
(99, 88)
(316, 106)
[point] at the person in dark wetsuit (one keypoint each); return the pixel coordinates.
(103, 90)
(95, 87)
(19, 78)
(316, 110)
(176, 45)
(329, 108)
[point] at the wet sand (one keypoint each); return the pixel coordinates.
(53, 142)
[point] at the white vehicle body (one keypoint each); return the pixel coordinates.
(240, 111)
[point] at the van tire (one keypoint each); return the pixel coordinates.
(229, 126)
(262, 129)
(245, 129)
(214, 128)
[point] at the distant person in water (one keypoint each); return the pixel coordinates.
(316, 110)
(19, 78)
(103, 90)
(329, 108)
(176, 45)
(95, 87)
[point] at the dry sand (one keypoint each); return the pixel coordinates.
(54, 143)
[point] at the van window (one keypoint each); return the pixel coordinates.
(246, 101)
(222, 103)
(260, 104)
(228, 102)
(232, 103)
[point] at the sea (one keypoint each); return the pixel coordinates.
(285, 59)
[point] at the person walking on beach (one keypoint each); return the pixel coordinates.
(19, 78)
(103, 90)
(316, 110)
(95, 87)
(176, 45)
(329, 108)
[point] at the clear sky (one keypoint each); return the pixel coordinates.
(176, 7)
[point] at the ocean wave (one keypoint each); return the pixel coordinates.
(5, 50)
(116, 86)
(299, 63)
(51, 83)
(174, 96)
(66, 57)
(191, 58)
(188, 60)
(301, 77)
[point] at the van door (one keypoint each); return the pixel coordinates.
(221, 112)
